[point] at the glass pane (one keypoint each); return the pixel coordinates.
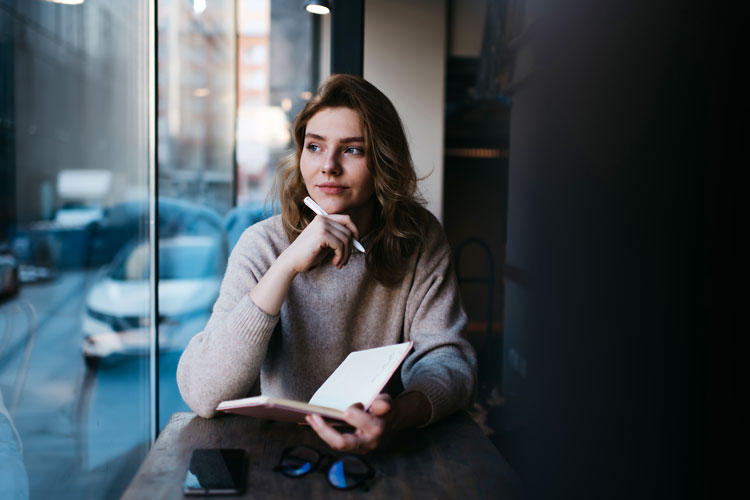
(231, 77)
(73, 225)
(196, 59)
(276, 75)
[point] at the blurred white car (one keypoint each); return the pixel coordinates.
(116, 319)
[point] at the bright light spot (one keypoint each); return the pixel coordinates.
(317, 9)
(83, 184)
(202, 92)
(286, 104)
(199, 6)
(306, 95)
(67, 2)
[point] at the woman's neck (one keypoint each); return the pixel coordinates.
(362, 217)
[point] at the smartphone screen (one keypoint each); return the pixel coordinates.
(215, 472)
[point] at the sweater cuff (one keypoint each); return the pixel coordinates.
(439, 399)
(250, 323)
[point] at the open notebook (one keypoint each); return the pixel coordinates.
(358, 379)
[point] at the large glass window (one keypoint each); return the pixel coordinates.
(196, 114)
(75, 254)
(74, 166)
(232, 75)
(276, 75)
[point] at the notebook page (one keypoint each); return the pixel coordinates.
(360, 377)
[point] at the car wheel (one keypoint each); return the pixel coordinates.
(91, 362)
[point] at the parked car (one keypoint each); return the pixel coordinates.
(8, 274)
(116, 319)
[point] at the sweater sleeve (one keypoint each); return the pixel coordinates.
(443, 364)
(223, 361)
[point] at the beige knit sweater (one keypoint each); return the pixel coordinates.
(327, 314)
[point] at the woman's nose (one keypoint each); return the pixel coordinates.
(331, 165)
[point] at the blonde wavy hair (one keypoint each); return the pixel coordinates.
(399, 216)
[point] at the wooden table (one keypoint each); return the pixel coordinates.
(450, 459)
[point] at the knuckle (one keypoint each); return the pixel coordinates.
(380, 426)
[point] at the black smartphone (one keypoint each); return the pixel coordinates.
(217, 471)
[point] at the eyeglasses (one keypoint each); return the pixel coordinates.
(343, 473)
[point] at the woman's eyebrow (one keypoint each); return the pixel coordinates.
(318, 137)
(353, 139)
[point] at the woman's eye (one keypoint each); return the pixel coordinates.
(355, 151)
(314, 148)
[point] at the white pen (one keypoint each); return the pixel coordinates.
(316, 208)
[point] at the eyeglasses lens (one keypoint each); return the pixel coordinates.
(347, 473)
(299, 461)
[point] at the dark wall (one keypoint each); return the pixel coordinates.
(616, 217)
(475, 179)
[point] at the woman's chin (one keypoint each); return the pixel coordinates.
(335, 205)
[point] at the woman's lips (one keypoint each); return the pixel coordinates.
(331, 188)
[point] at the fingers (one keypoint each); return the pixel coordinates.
(337, 232)
(369, 427)
(325, 232)
(349, 442)
(312, 245)
(346, 221)
(340, 242)
(381, 406)
(369, 430)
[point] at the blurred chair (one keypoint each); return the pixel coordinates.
(489, 350)
(243, 216)
(15, 338)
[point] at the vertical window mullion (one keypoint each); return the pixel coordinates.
(153, 226)
(348, 37)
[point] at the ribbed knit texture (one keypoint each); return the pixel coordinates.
(327, 314)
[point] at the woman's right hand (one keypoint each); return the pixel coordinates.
(324, 234)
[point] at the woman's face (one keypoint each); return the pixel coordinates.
(334, 165)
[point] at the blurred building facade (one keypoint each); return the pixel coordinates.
(74, 99)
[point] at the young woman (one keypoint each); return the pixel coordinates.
(297, 297)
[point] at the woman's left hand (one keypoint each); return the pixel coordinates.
(371, 427)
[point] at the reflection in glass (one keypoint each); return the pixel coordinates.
(275, 78)
(232, 74)
(196, 61)
(74, 136)
(192, 257)
(74, 219)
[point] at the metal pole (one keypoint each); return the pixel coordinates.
(153, 179)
